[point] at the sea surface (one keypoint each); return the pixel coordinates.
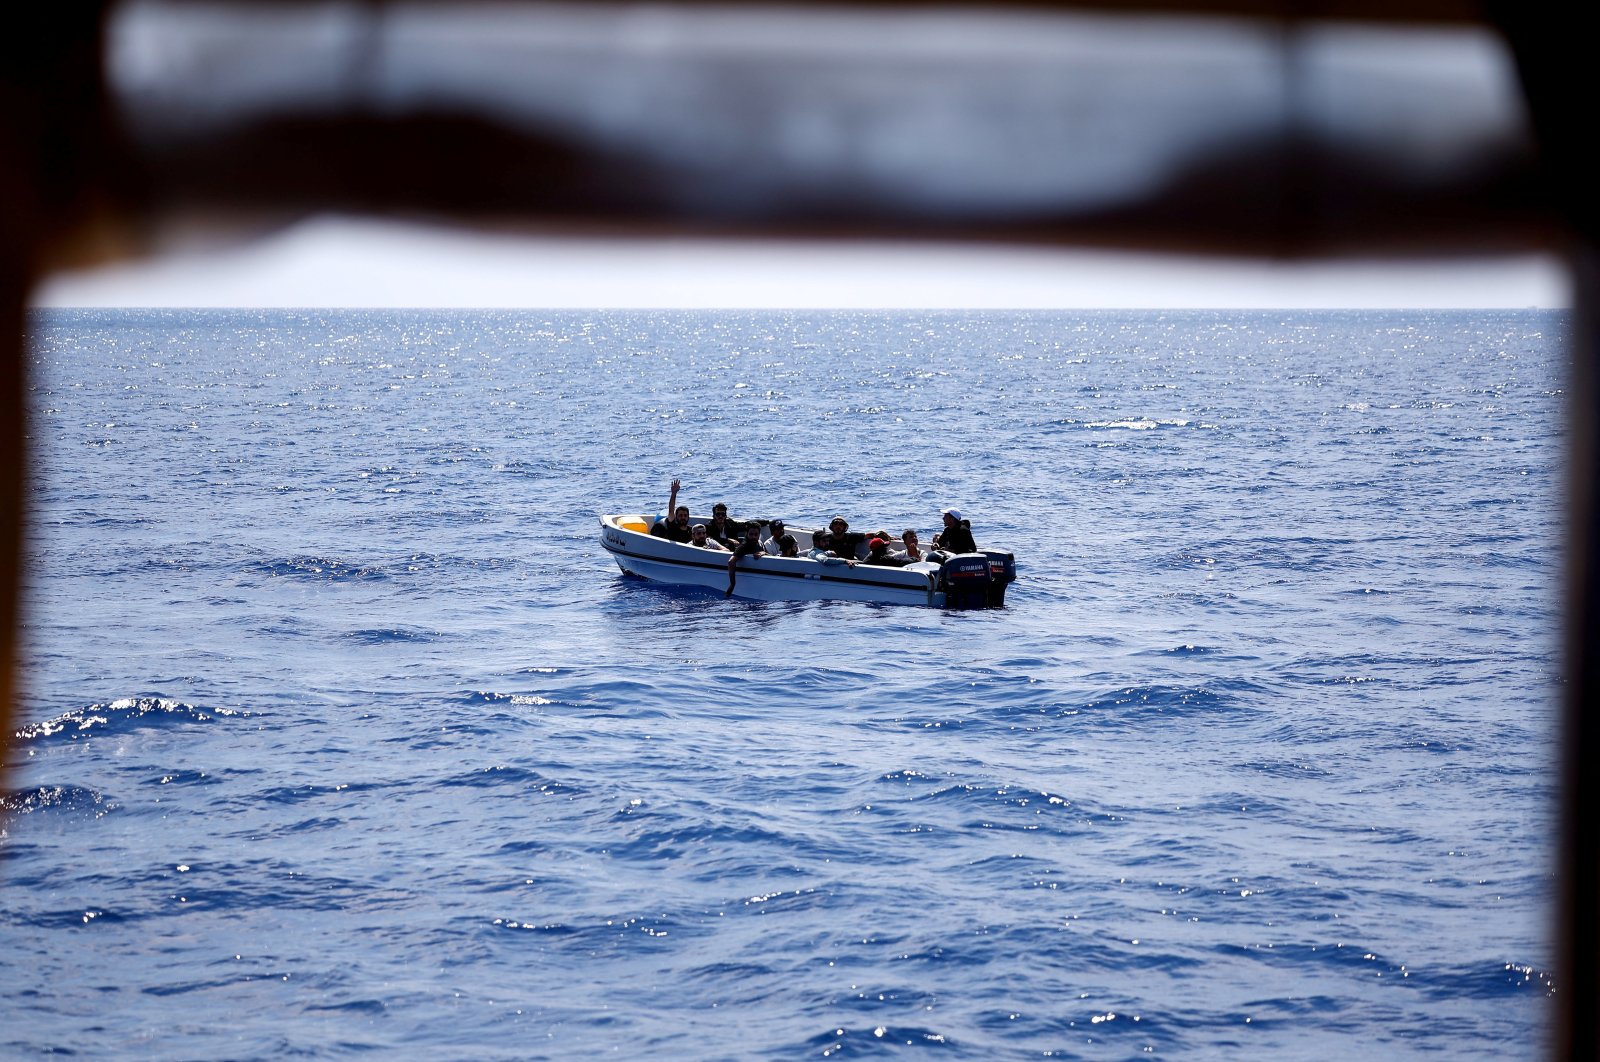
(342, 735)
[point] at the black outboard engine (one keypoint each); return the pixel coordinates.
(967, 581)
(1002, 570)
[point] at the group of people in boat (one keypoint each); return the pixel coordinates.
(836, 544)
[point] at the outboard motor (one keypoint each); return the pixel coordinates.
(1002, 570)
(967, 581)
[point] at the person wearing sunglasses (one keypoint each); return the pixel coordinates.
(721, 528)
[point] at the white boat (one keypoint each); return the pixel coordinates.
(973, 580)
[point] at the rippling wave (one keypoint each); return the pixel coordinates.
(343, 735)
(121, 716)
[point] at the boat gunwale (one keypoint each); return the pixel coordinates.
(883, 577)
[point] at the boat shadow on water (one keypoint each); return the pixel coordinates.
(630, 594)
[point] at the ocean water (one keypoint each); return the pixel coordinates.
(341, 733)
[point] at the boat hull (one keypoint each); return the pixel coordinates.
(764, 578)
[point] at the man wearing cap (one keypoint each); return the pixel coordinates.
(957, 534)
(845, 540)
(878, 553)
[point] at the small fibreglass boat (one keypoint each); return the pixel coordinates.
(969, 580)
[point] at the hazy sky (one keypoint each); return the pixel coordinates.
(352, 262)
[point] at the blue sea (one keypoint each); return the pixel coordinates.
(342, 736)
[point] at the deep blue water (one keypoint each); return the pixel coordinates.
(342, 734)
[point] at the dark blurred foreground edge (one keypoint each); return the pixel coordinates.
(65, 171)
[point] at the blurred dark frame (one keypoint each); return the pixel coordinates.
(76, 187)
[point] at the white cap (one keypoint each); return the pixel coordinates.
(954, 514)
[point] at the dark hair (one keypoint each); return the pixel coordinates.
(786, 540)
